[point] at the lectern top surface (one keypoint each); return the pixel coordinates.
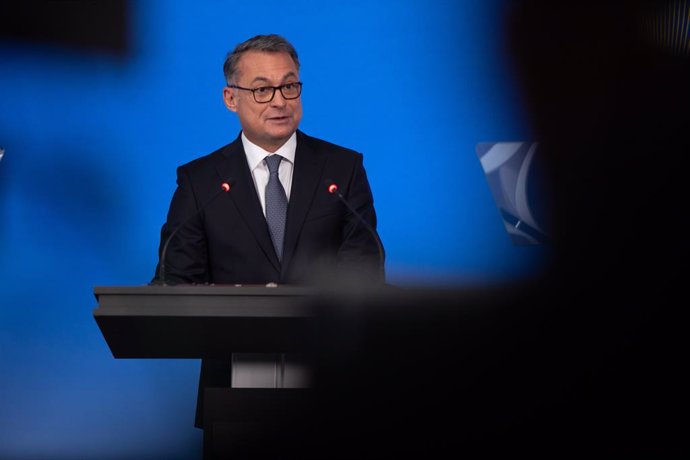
(206, 290)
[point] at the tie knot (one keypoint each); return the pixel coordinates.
(273, 161)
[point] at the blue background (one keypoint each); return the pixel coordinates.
(92, 142)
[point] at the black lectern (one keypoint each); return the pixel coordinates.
(213, 322)
(202, 321)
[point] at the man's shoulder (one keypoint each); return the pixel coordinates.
(324, 147)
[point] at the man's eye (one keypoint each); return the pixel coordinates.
(263, 90)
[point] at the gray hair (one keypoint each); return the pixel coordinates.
(268, 43)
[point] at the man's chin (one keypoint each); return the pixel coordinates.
(282, 134)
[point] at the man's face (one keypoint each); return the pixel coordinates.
(268, 125)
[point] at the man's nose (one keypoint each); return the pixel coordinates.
(278, 99)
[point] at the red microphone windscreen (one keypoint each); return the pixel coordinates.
(332, 188)
(225, 186)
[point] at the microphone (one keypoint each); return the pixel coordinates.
(224, 188)
(333, 190)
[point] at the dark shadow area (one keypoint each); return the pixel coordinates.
(95, 26)
(421, 374)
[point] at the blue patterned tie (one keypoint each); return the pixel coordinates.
(276, 204)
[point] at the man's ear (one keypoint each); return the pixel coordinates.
(230, 98)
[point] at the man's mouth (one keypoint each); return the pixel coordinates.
(278, 118)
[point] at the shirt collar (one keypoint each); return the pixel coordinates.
(255, 154)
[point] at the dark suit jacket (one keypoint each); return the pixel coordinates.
(224, 238)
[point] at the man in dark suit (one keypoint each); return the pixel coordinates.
(232, 238)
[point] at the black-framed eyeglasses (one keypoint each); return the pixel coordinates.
(265, 94)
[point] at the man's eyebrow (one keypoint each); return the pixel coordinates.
(266, 80)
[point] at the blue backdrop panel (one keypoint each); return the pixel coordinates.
(92, 142)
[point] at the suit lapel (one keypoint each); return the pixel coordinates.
(233, 163)
(305, 181)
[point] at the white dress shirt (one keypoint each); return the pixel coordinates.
(259, 169)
